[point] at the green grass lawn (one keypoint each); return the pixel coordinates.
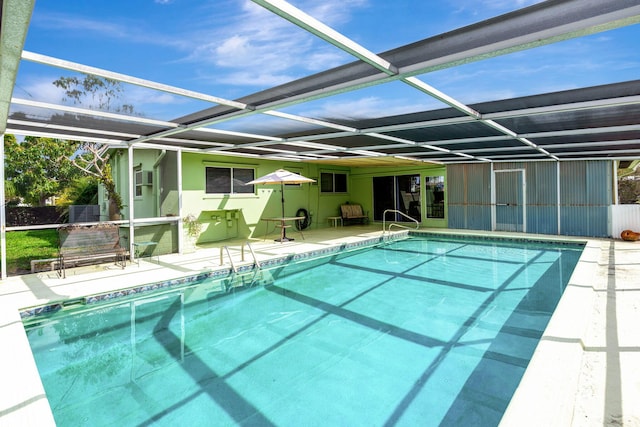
(23, 246)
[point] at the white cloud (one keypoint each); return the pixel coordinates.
(506, 4)
(139, 97)
(229, 39)
(370, 107)
(257, 78)
(40, 89)
(131, 31)
(257, 42)
(484, 9)
(332, 12)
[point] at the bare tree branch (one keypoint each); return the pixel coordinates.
(95, 163)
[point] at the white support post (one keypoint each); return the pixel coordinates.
(3, 216)
(180, 211)
(558, 194)
(131, 207)
(492, 179)
(614, 165)
(524, 200)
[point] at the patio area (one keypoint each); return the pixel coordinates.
(583, 372)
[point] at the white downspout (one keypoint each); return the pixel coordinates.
(157, 174)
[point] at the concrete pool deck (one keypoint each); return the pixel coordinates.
(585, 370)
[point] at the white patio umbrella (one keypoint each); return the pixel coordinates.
(282, 177)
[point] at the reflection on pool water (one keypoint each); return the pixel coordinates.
(414, 332)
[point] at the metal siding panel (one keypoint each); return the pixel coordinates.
(573, 186)
(542, 184)
(479, 218)
(455, 217)
(542, 219)
(469, 196)
(455, 184)
(584, 221)
(478, 182)
(542, 210)
(599, 186)
(585, 192)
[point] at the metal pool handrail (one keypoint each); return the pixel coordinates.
(226, 249)
(384, 218)
(255, 260)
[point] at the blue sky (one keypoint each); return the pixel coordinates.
(231, 48)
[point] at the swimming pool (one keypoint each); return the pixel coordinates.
(431, 331)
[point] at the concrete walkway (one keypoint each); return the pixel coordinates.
(586, 368)
(585, 372)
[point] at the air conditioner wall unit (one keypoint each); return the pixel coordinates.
(147, 177)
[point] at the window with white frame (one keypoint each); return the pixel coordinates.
(333, 182)
(228, 180)
(141, 178)
(137, 173)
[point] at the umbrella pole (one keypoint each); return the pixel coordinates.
(282, 191)
(283, 235)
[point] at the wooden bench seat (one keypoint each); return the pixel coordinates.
(87, 244)
(353, 213)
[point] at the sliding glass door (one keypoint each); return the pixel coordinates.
(401, 193)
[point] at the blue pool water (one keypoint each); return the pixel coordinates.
(416, 332)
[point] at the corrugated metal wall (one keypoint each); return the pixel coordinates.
(585, 196)
(542, 191)
(469, 197)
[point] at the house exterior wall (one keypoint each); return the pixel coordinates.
(145, 205)
(212, 209)
(226, 216)
(361, 190)
(570, 198)
(167, 179)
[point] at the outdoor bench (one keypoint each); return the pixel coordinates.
(89, 243)
(353, 213)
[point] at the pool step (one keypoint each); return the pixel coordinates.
(257, 277)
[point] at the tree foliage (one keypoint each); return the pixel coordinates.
(82, 191)
(33, 169)
(93, 91)
(38, 168)
(629, 189)
(100, 93)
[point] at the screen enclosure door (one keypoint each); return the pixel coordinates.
(510, 211)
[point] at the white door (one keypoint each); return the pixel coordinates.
(510, 200)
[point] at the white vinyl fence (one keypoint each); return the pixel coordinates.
(624, 217)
